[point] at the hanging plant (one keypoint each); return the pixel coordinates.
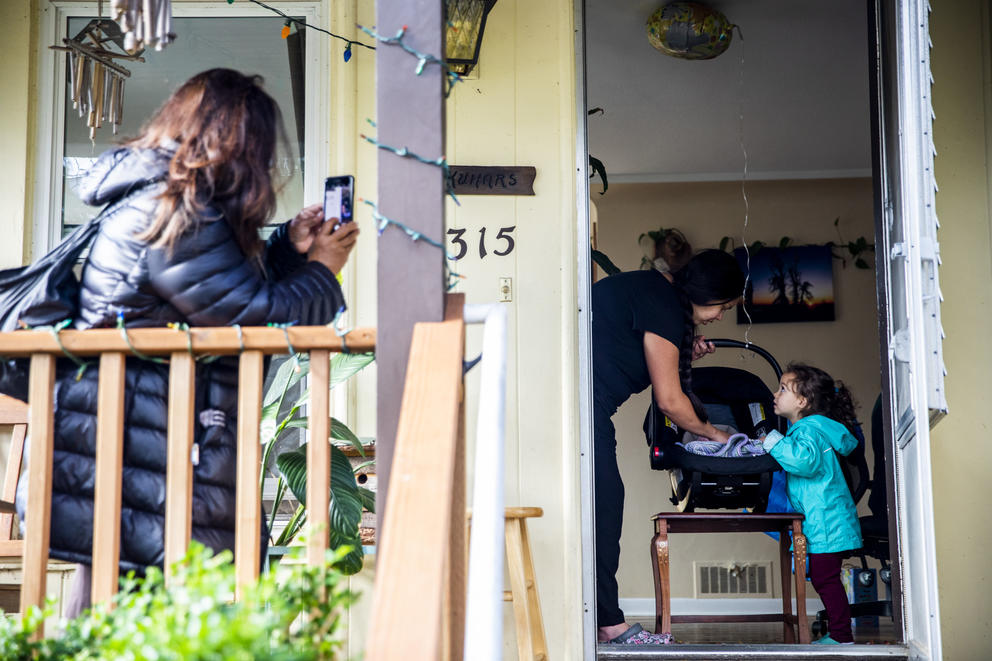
(595, 164)
(859, 249)
(728, 244)
(666, 244)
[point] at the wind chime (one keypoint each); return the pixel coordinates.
(145, 23)
(96, 82)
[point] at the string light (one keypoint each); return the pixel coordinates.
(285, 331)
(302, 23)
(406, 153)
(423, 59)
(383, 223)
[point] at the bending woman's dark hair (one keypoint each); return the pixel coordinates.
(712, 277)
(824, 396)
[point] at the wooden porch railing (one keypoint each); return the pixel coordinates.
(418, 609)
(112, 348)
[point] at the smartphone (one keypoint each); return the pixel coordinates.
(338, 196)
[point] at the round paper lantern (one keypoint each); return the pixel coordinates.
(689, 30)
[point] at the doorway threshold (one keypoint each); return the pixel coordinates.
(753, 652)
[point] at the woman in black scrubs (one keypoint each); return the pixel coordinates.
(643, 333)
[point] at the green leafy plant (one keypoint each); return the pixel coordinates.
(196, 619)
(282, 459)
(858, 249)
(728, 244)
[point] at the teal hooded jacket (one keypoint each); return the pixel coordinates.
(815, 481)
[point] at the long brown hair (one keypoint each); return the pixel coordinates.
(824, 396)
(224, 129)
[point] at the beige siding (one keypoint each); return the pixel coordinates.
(15, 113)
(517, 108)
(962, 456)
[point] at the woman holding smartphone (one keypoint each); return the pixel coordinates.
(180, 243)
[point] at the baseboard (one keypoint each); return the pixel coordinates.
(644, 608)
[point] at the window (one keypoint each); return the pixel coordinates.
(247, 39)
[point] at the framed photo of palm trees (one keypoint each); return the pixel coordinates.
(789, 284)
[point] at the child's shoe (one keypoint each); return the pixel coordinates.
(827, 640)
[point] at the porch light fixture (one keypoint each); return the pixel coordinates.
(466, 21)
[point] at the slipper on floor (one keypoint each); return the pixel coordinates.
(636, 635)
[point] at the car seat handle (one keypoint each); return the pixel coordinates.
(750, 346)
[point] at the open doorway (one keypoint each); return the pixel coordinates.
(769, 142)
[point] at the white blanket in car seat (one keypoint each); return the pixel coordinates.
(738, 445)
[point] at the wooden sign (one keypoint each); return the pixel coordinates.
(491, 179)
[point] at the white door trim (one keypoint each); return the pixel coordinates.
(909, 206)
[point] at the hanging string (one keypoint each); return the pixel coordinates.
(423, 59)
(302, 23)
(384, 222)
(747, 206)
(403, 152)
(285, 331)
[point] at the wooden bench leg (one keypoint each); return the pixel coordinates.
(662, 578)
(799, 546)
(785, 560)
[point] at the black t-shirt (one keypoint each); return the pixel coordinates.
(624, 307)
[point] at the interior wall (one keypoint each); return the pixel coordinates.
(847, 348)
(961, 62)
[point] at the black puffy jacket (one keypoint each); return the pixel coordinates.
(205, 281)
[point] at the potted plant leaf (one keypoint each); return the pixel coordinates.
(284, 458)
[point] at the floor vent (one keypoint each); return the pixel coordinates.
(742, 579)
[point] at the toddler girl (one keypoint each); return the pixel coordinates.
(821, 412)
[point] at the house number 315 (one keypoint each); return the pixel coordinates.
(504, 236)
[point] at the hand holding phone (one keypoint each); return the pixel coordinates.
(332, 244)
(338, 196)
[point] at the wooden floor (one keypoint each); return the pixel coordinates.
(754, 641)
(762, 633)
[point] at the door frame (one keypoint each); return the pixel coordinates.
(900, 179)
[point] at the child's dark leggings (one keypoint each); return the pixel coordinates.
(824, 573)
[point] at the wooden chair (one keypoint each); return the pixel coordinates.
(531, 645)
(12, 412)
(666, 523)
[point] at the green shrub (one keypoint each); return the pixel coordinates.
(196, 618)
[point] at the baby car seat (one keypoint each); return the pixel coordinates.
(732, 397)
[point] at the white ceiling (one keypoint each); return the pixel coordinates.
(804, 94)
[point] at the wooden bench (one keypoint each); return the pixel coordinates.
(15, 413)
(666, 523)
